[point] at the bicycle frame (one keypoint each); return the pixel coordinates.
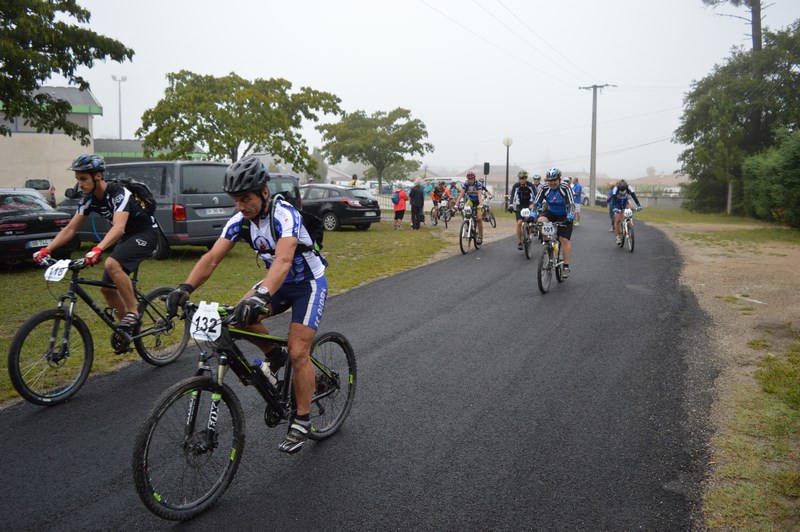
(75, 289)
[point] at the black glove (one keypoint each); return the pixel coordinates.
(247, 310)
(178, 298)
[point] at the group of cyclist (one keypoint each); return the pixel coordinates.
(273, 227)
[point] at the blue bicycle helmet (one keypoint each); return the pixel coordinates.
(553, 173)
(88, 163)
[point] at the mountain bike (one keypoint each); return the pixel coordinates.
(190, 444)
(551, 258)
(626, 230)
(488, 215)
(468, 235)
(51, 355)
(530, 231)
(442, 212)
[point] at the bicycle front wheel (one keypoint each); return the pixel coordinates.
(544, 273)
(464, 237)
(629, 240)
(492, 219)
(335, 368)
(434, 217)
(526, 240)
(163, 339)
(181, 467)
(50, 357)
(560, 265)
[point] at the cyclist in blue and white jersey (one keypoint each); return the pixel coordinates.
(619, 199)
(295, 278)
(560, 208)
(473, 190)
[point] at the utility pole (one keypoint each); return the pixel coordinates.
(593, 163)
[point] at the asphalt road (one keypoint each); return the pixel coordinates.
(481, 404)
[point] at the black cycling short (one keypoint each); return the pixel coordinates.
(518, 216)
(564, 231)
(131, 250)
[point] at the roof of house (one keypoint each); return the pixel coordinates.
(83, 102)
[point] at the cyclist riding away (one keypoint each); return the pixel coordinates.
(295, 278)
(619, 200)
(560, 208)
(473, 189)
(522, 195)
(134, 232)
(439, 194)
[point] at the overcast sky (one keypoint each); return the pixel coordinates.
(474, 71)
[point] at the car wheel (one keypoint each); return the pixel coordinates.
(362, 227)
(585, 202)
(330, 221)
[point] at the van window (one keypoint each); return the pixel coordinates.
(154, 177)
(202, 179)
(285, 187)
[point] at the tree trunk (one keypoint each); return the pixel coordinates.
(755, 23)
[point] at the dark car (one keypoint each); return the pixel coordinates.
(287, 186)
(338, 205)
(28, 223)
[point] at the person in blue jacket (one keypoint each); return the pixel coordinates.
(560, 208)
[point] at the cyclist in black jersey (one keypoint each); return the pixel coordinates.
(522, 195)
(134, 232)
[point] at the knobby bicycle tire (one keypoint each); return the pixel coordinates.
(335, 384)
(464, 237)
(171, 459)
(630, 241)
(447, 216)
(544, 270)
(492, 219)
(434, 217)
(526, 240)
(46, 367)
(559, 264)
(165, 338)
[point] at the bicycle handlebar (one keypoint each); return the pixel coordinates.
(76, 264)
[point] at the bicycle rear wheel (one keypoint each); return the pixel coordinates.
(544, 273)
(464, 237)
(165, 338)
(335, 367)
(178, 470)
(46, 364)
(629, 240)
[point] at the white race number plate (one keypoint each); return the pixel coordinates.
(206, 322)
(57, 271)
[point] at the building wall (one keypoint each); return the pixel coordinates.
(40, 155)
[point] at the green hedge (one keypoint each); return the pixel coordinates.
(772, 182)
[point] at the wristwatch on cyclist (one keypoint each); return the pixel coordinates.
(263, 292)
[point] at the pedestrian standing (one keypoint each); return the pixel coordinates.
(417, 199)
(400, 206)
(577, 191)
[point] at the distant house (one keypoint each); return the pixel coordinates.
(130, 150)
(28, 154)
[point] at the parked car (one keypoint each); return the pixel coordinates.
(286, 185)
(45, 188)
(338, 205)
(28, 223)
(600, 199)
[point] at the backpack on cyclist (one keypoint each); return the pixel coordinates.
(396, 198)
(141, 193)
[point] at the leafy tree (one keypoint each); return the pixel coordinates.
(232, 117)
(718, 115)
(33, 47)
(651, 171)
(755, 8)
(772, 181)
(395, 171)
(379, 140)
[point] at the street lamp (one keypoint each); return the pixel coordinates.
(507, 142)
(119, 81)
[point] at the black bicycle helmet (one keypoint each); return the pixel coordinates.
(245, 175)
(88, 163)
(622, 185)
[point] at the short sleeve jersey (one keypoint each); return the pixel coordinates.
(118, 199)
(473, 190)
(288, 222)
(619, 198)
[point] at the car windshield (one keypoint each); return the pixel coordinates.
(13, 202)
(38, 184)
(360, 193)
